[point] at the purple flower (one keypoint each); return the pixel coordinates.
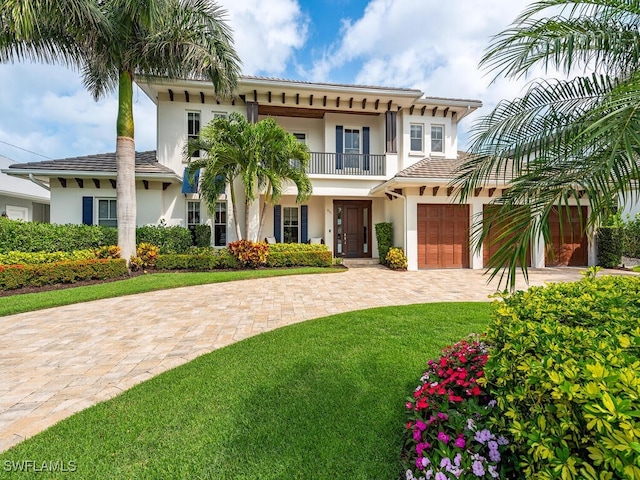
(493, 471)
(502, 440)
(443, 416)
(419, 463)
(428, 474)
(441, 476)
(471, 425)
(493, 403)
(443, 437)
(460, 443)
(478, 469)
(483, 436)
(422, 446)
(421, 426)
(445, 463)
(417, 435)
(494, 455)
(457, 460)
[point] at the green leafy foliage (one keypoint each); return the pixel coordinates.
(202, 236)
(610, 246)
(213, 260)
(396, 259)
(384, 235)
(111, 251)
(631, 237)
(18, 258)
(45, 237)
(18, 276)
(565, 371)
(169, 239)
(298, 255)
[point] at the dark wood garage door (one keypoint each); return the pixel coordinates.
(569, 244)
(443, 236)
(492, 243)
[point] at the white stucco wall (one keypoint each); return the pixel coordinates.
(407, 157)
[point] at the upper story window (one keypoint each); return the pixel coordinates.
(417, 137)
(437, 138)
(219, 115)
(351, 140)
(301, 137)
(107, 212)
(193, 128)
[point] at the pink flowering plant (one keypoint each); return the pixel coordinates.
(448, 435)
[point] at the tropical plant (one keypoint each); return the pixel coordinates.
(564, 140)
(263, 155)
(113, 43)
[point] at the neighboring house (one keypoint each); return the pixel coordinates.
(377, 155)
(22, 199)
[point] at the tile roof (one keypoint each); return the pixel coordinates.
(328, 84)
(431, 167)
(146, 163)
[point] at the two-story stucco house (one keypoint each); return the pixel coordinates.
(379, 154)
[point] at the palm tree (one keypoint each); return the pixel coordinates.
(263, 155)
(564, 140)
(153, 38)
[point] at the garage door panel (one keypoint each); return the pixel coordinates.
(491, 243)
(568, 245)
(443, 236)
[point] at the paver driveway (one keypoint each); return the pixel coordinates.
(56, 362)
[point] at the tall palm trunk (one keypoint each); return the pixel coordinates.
(263, 214)
(235, 210)
(247, 205)
(126, 168)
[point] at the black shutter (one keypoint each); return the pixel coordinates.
(304, 223)
(365, 148)
(277, 223)
(339, 146)
(87, 210)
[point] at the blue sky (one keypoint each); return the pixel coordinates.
(431, 45)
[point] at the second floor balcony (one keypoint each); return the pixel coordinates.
(347, 164)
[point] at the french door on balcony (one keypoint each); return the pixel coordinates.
(352, 227)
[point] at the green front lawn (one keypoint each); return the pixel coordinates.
(321, 399)
(144, 283)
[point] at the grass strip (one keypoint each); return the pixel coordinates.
(316, 400)
(27, 302)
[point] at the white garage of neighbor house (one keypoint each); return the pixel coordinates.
(378, 154)
(22, 199)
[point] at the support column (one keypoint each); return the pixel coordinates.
(537, 252)
(411, 247)
(475, 215)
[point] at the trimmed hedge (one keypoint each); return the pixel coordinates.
(384, 235)
(220, 259)
(202, 236)
(298, 255)
(169, 239)
(45, 237)
(32, 258)
(18, 276)
(610, 246)
(564, 368)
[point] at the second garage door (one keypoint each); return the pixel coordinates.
(569, 243)
(443, 236)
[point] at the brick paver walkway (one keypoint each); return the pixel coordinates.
(56, 362)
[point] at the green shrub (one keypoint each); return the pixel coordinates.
(298, 255)
(18, 276)
(610, 246)
(564, 368)
(396, 259)
(215, 260)
(31, 258)
(111, 251)
(631, 237)
(202, 236)
(249, 254)
(384, 235)
(45, 237)
(169, 239)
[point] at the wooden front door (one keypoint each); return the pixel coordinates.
(352, 227)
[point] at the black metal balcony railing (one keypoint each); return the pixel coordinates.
(347, 164)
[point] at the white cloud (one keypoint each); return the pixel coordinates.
(426, 44)
(266, 33)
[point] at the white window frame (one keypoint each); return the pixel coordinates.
(299, 134)
(217, 224)
(285, 225)
(441, 127)
(190, 134)
(194, 202)
(344, 139)
(109, 218)
(411, 137)
(216, 114)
